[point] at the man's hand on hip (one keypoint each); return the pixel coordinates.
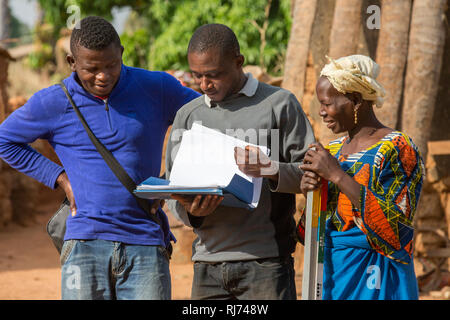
(64, 183)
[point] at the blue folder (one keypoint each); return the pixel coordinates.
(238, 193)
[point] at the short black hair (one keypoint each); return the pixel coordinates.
(214, 35)
(94, 33)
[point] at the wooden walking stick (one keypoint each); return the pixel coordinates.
(316, 207)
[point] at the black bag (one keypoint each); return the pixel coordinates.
(56, 226)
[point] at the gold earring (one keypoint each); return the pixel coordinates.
(356, 116)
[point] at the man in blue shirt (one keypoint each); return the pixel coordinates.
(112, 248)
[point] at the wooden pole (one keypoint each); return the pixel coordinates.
(316, 204)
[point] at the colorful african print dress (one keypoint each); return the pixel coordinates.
(368, 252)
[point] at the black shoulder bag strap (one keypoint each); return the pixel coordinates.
(111, 161)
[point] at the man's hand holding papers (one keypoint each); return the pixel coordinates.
(255, 163)
(199, 206)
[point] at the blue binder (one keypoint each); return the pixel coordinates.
(238, 193)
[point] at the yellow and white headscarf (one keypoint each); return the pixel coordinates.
(356, 73)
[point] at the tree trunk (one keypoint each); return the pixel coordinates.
(5, 181)
(346, 28)
(426, 47)
(4, 20)
(344, 39)
(298, 47)
(318, 48)
(391, 56)
(4, 61)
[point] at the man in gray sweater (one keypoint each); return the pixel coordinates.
(240, 253)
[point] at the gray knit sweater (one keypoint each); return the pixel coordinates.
(231, 234)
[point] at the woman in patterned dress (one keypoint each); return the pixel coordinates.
(374, 176)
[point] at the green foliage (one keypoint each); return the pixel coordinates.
(158, 32)
(41, 56)
(173, 23)
(136, 46)
(57, 15)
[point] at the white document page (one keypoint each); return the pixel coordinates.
(206, 158)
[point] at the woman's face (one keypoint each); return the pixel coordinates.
(336, 110)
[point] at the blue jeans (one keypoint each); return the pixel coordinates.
(262, 279)
(107, 270)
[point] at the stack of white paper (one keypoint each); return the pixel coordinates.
(205, 164)
(206, 159)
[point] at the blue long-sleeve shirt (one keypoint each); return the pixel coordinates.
(131, 124)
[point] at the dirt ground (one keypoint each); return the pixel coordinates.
(30, 267)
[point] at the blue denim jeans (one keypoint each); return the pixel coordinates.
(107, 270)
(262, 279)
